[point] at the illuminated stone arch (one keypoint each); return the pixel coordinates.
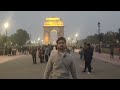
(52, 24)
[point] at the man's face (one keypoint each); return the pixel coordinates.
(61, 45)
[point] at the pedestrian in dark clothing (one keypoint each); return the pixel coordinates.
(81, 53)
(88, 58)
(34, 51)
(111, 52)
(50, 49)
(46, 54)
(84, 50)
(41, 55)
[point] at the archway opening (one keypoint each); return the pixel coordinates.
(57, 25)
(53, 35)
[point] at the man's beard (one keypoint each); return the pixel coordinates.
(62, 48)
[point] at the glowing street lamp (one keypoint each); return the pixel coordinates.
(68, 38)
(76, 35)
(31, 41)
(38, 39)
(42, 41)
(6, 26)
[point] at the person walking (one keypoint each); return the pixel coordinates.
(34, 52)
(111, 52)
(60, 64)
(46, 53)
(88, 58)
(81, 53)
(41, 54)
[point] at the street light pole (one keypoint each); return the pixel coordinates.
(99, 36)
(76, 39)
(6, 41)
(6, 26)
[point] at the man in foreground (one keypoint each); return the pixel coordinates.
(60, 64)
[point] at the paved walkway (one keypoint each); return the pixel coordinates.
(6, 58)
(22, 67)
(105, 57)
(100, 56)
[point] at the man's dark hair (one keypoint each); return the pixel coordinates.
(61, 38)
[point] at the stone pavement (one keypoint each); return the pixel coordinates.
(5, 58)
(105, 57)
(21, 67)
(101, 69)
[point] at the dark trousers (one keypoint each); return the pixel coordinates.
(88, 65)
(111, 55)
(46, 58)
(41, 59)
(81, 56)
(34, 59)
(49, 54)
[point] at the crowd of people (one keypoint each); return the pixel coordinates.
(43, 53)
(60, 60)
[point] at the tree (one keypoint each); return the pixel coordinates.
(118, 35)
(107, 38)
(1, 41)
(20, 37)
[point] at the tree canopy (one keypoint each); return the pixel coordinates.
(20, 37)
(105, 38)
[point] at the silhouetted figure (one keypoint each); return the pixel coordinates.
(46, 53)
(111, 52)
(81, 53)
(41, 54)
(88, 58)
(34, 51)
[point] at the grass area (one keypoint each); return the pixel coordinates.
(107, 50)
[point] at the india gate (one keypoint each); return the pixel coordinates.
(52, 24)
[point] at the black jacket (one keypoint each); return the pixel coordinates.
(89, 53)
